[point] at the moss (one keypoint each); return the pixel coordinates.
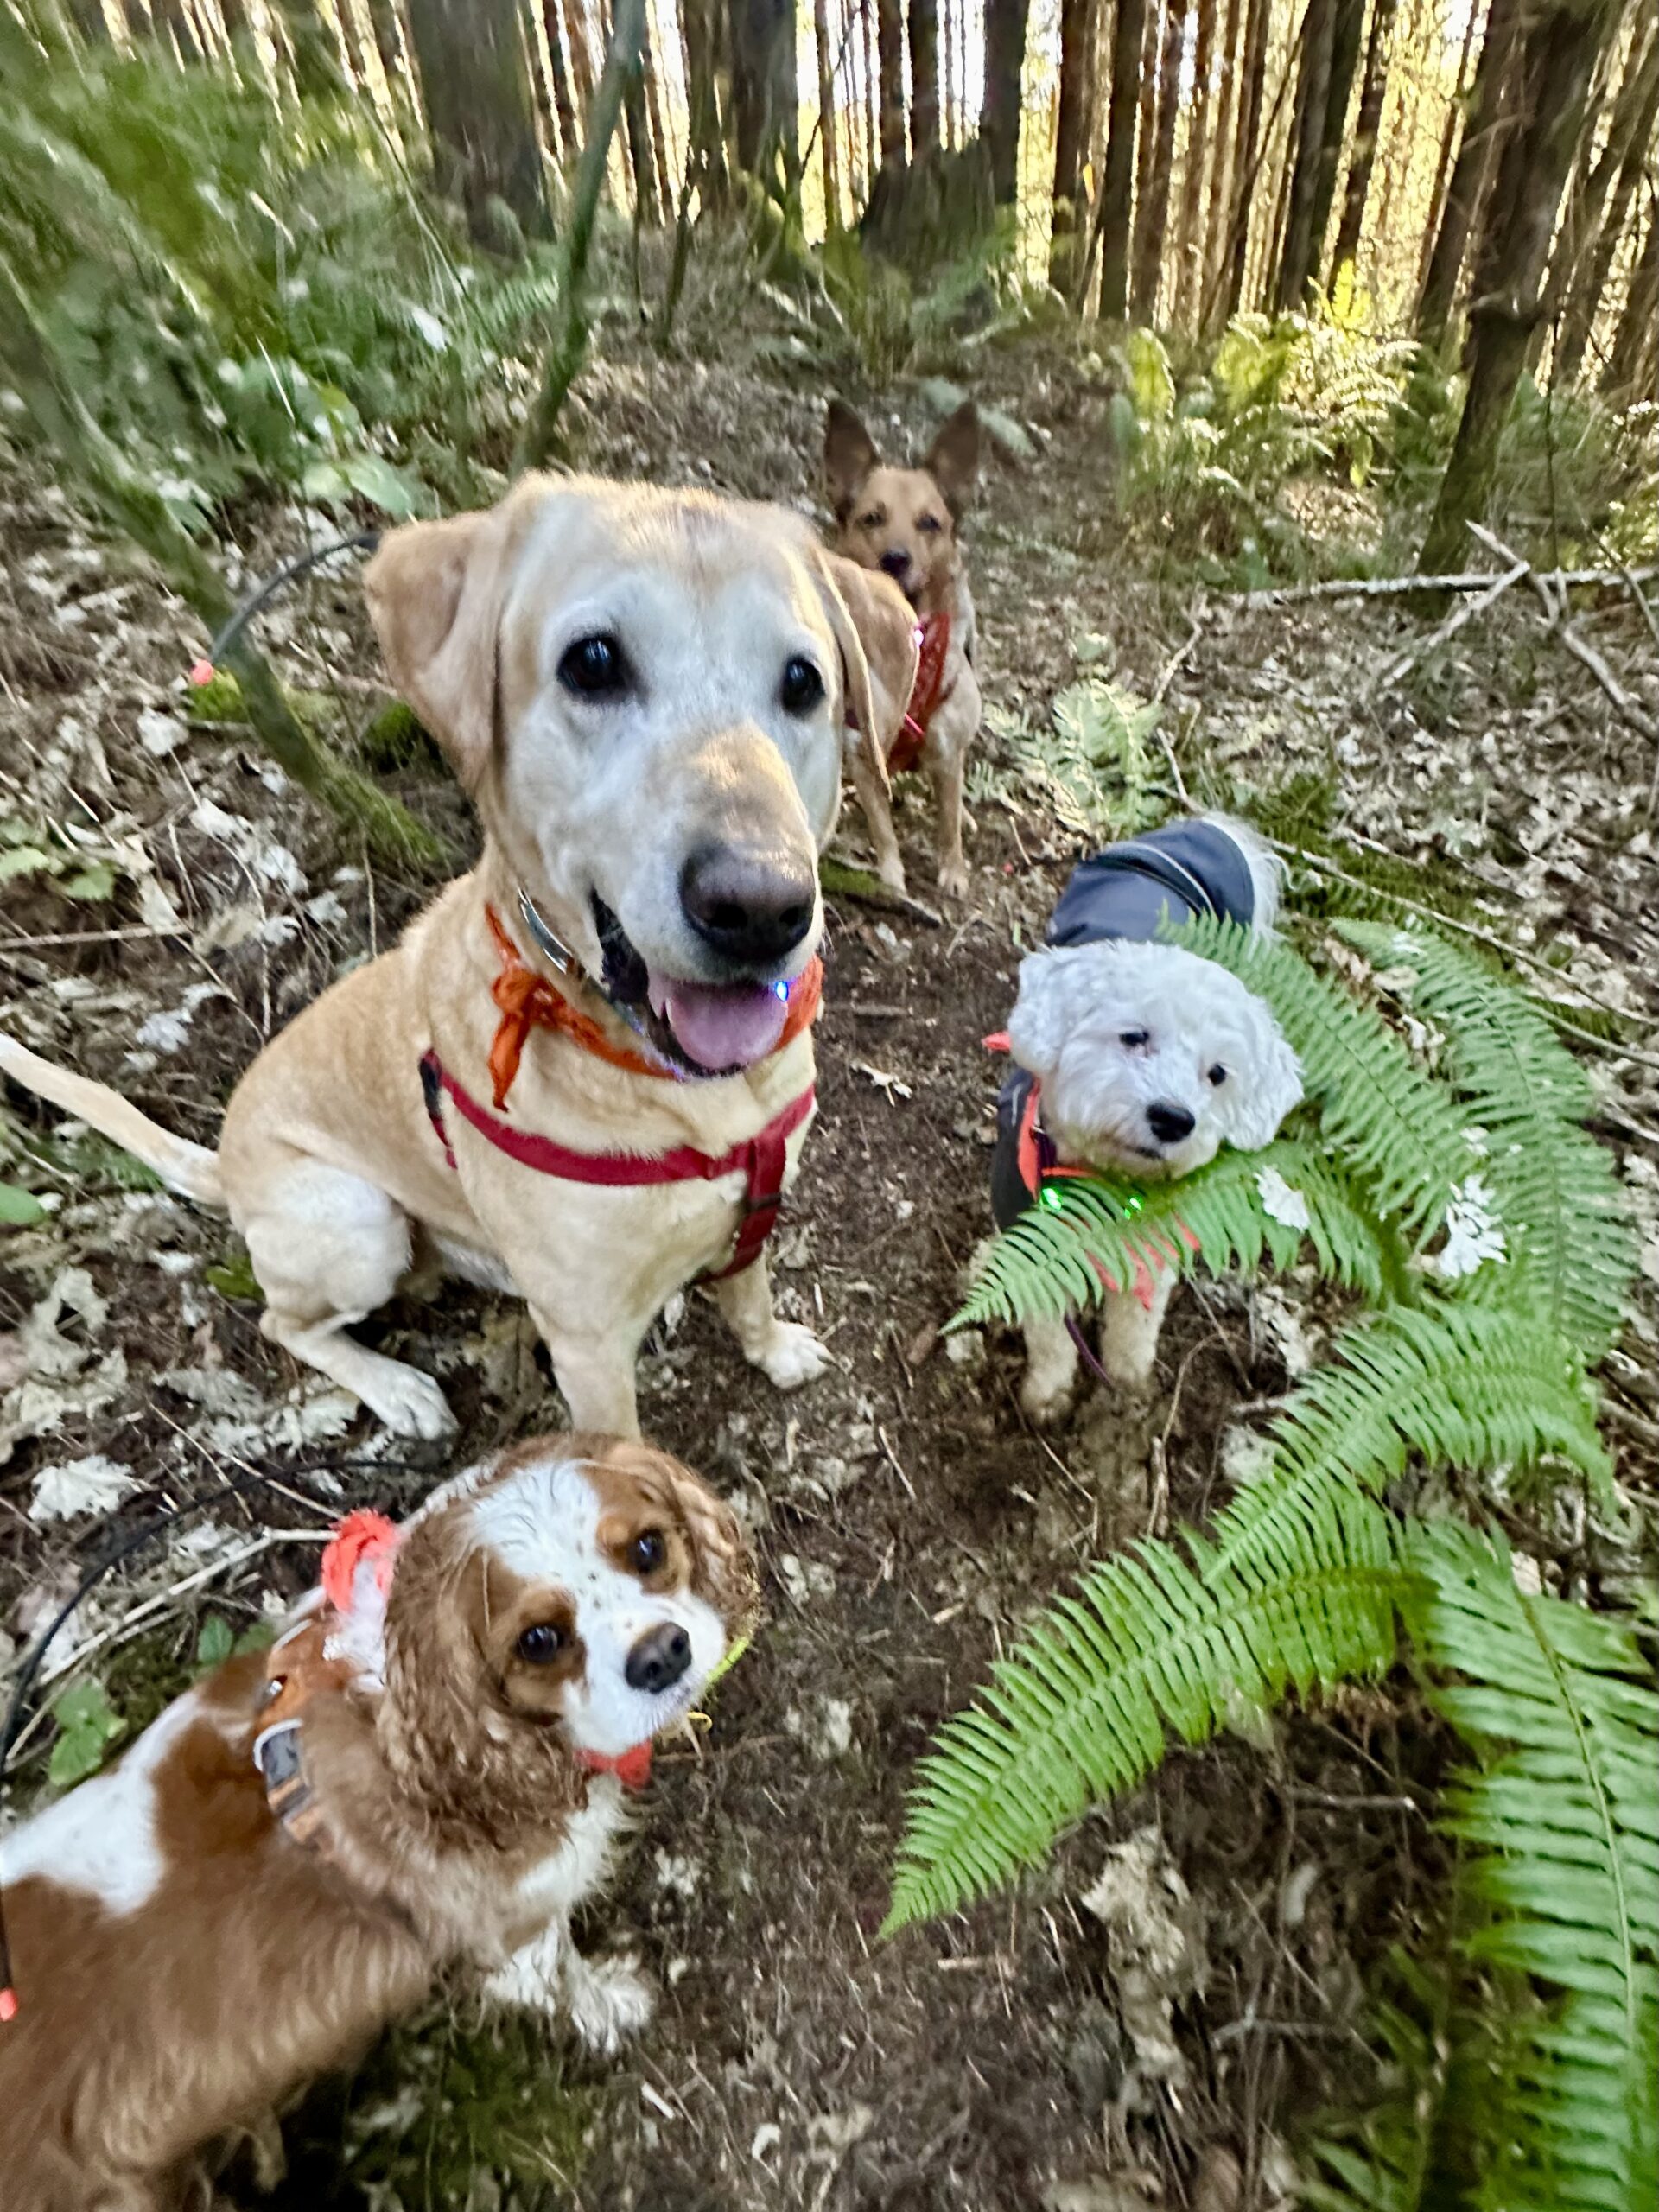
(394, 738)
(217, 702)
(1298, 812)
(144, 1677)
(443, 2116)
(234, 1277)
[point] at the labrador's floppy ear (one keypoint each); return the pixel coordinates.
(952, 459)
(849, 454)
(875, 631)
(435, 590)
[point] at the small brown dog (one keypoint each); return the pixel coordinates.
(425, 1774)
(902, 522)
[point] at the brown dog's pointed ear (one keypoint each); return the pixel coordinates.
(849, 454)
(435, 591)
(875, 631)
(952, 459)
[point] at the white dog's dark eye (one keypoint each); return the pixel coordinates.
(802, 686)
(594, 668)
(542, 1644)
(1217, 1075)
(1133, 1038)
(649, 1551)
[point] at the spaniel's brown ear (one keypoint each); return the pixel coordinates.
(849, 454)
(435, 590)
(952, 459)
(722, 1564)
(875, 632)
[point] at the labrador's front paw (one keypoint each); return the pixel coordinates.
(793, 1356)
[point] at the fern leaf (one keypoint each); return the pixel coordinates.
(1391, 1124)
(1454, 1385)
(1150, 1643)
(1573, 1242)
(1050, 1261)
(1564, 1817)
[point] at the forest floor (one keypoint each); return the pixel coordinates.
(1024, 2054)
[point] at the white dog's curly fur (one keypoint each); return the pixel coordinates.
(1149, 1059)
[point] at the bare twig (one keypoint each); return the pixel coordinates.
(1465, 612)
(1392, 587)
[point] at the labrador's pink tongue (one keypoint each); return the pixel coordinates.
(723, 1025)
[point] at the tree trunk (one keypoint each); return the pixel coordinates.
(1626, 379)
(1145, 140)
(999, 108)
(582, 61)
(1189, 274)
(1152, 218)
(827, 116)
(948, 70)
(1071, 142)
(1448, 141)
(1629, 145)
(1463, 193)
(1118, 183)
(565, 106)
(871, 102)
(648, 207)
(890, 49)
(1556, 58)
(1373, 92)
(479, 109)
(924, 78)
(659, 147)
(704, 140)
(1247, 156)
(1347, 22)
(1215, 231)
(765, 124)
(1315, 78)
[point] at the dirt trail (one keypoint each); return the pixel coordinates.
(907, 1516)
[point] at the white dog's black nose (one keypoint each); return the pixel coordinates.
(1169, 1124)
(659, 1658)
(749, 907)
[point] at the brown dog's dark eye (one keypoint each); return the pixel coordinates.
(930, 525)
(594, 668)
(541, 1644)
(873, 521)
(649, 1552)
(1217, 1075)
(802, 686)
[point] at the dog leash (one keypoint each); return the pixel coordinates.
(204, 670)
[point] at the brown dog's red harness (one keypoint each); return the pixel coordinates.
(933, 636)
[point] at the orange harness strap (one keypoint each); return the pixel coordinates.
(529, 1002)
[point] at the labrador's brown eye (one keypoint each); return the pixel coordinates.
(802, 686)
(541, 1644)
(873, 521)
(594, 668)
(649, 1552)
(930, 525)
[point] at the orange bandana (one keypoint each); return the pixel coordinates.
(529, 1002)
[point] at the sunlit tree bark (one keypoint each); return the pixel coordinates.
(1246, 158)
(1373, 92)
(1189, 274)
(1463, 192)
(827, 114)
(1153, 217)
(1071, 139)
(1633, 365)
(1314, 84)
(1117, 185)
(1630, 147)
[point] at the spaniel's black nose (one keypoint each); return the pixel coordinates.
(659, 1658)
(1169, 1124)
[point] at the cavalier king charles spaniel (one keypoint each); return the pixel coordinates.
(425, 1774)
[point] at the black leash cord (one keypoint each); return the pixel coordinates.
(136, 1542)
(364, 541)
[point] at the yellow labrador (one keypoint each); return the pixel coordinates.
(586, 1071)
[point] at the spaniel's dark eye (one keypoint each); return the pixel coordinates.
(802, 686)
(541, 1644)
(594, 668)
(1134, 1038)
(930, 525)
(1217, 1075)
(649, 1551)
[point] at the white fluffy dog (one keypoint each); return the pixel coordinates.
(1137, 1057)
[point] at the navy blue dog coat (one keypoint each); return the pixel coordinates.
(1181, 871)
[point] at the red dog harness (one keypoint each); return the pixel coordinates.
(760, 1159)
(933, 636)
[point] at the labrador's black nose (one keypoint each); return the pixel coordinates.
(895, 562)
(659, 1658)
(752, 907)
(1169, 1124)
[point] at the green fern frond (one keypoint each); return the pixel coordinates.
(1392, 1126)
(1050, 1261)
(1150, 1643)
(1564, 1815)
(1454, 1385)
(1572, 1244)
